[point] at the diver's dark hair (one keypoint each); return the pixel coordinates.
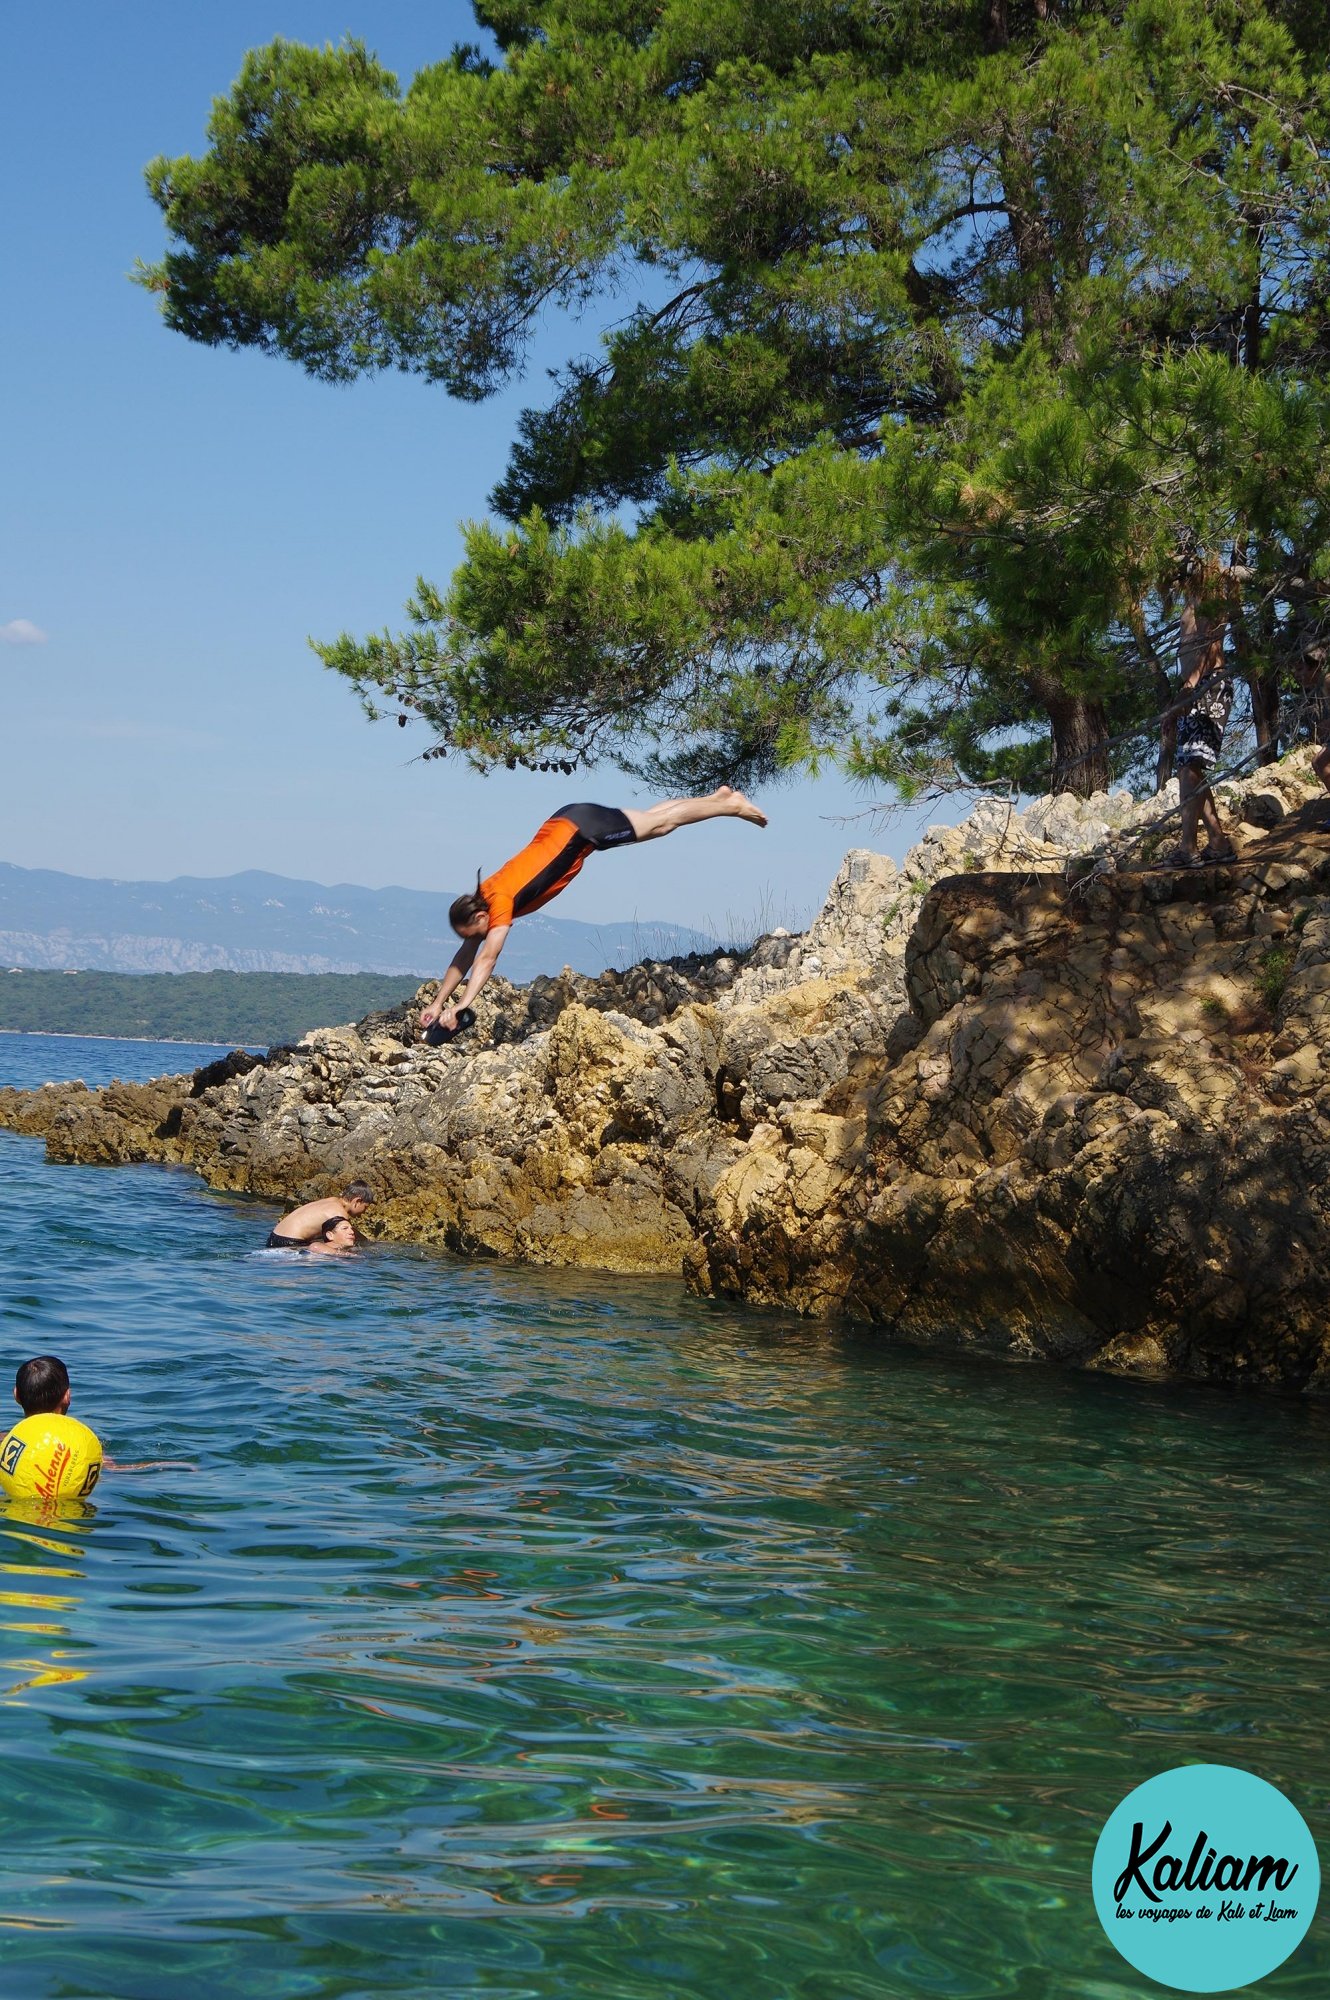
(334, 1222)
(40, 1384)
(465, 909)
(358, 1191)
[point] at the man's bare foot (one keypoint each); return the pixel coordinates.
(740, 805)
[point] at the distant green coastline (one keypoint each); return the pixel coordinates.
(252, 1008)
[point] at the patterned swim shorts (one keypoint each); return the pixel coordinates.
(1201, 728)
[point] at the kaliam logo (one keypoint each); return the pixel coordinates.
(1206, 1878)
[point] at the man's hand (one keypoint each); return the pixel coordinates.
(448, 1019)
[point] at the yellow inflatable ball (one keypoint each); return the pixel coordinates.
(50, 1458)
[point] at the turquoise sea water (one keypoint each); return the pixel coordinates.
(555, 1636)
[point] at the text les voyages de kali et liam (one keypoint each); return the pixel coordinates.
(1206, 1878)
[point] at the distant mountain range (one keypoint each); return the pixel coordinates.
(267, 923)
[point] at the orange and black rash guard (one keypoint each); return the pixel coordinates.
(535, 876)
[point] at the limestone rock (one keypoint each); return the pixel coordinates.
(1079, 1113)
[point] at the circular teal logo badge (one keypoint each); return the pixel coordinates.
(1206, 1878)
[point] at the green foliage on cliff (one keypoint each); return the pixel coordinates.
(970, 347)
(241, 1008)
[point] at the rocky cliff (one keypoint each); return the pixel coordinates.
(1025, 1093)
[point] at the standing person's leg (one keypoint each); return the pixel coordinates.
(1321, 766)
(1192, 792)
(1198, 806)
(1218, 846)
(723, 803)
(1315, 710)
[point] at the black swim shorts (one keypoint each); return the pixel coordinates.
(276, 1242)
(602, 826)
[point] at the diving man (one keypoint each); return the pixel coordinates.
(547, 865)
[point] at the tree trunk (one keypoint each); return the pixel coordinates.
(1252, 661)
(1031, 236)
(1080, 741)
(993, 14)
(1264, 690)
(1168, 731)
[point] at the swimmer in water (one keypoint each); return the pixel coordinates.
(48, 1455)
(547, 865)
(300, 1229)
(334, 1239)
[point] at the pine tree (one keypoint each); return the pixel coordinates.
(974, 340)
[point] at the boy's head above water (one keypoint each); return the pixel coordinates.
(358, 1197)
(42, 1386)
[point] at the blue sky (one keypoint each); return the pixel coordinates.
(178, 519)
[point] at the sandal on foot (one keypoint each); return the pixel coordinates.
(1226, 851)
(1182, 857)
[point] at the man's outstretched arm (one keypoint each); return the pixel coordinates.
(452, 979)
(474, 963)
(485, 961)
